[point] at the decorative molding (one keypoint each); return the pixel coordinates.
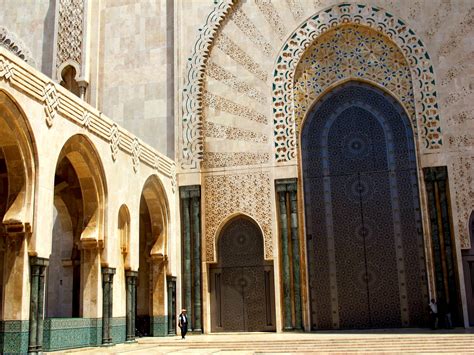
(271, 16)
(231, 107)
(412, 47)
(114, 141)
(296, 9)
(221, 160)
(226, 45)
(247, 27)
(136, 154)
(12, 43)
(193, 87)
(463, 178)
(51, 102)
(220, 74)
(6, 70)
(229, 195)
(60, 103)
(70, 29)
(216, 130)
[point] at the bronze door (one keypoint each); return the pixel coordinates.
(241, 283)
(363, 223)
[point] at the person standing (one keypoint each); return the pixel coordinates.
(183, 323)
(433, 313)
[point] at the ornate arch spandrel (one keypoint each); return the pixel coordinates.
(422, 73)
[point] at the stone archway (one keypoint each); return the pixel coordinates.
(364, 238)
(17, 188)
(78, 232)
(151, 307)
(242, 287)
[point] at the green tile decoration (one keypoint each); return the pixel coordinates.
(118, 330)
(65, 333)
(160, 326)
(14, 337)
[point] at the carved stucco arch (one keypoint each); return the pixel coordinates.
(155, 197)
(84, 158)
(10, 41)
(192, 139)
(426, 102)
(19, 148)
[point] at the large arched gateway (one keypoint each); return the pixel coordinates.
(363, 224)
(242, 287)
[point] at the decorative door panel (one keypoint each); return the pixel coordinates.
(363, 226)
(242, 287)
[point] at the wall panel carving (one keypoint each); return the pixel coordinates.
(70, 32)
(463, 173)
(226, 195)
(221, 160)
(217, 130)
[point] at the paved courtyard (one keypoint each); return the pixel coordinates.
(458, 341)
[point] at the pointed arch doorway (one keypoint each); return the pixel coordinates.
(241, 283)
(366, 264)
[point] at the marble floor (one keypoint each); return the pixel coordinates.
(458, 341)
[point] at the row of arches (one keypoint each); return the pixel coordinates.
(84, 240)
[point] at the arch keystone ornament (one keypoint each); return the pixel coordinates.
(422, 73)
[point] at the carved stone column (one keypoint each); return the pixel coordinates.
(283, 221)
(171, 280)
(196, 208)
(292, 188)
(290, 252)
(107, 303)
(38, 267)
(131, 302)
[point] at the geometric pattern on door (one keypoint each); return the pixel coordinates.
(241, 283)
(366, 264)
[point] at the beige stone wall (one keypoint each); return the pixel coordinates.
(125, 163)
(135, 78)
(33, 24)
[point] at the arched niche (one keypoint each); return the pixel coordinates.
(241, 282)
(17, 192)
(78, 230)
(153, 256)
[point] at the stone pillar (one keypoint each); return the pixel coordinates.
(296, 254)
(283, 221)
(290, 252)
(191, 241)
(171, 280)
(196, 213)
(107, 299)
(131, 303)
(38, 267)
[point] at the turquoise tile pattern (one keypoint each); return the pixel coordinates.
(65, 333)
(159, 326)
(14, 337)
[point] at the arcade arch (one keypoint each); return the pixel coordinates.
(78, 232)
(153, 258)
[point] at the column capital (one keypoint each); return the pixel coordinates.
(190, 191)
(108, 270)
(131, 273)
(37, 261)
(283, 185)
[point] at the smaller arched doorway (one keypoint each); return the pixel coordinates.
(242, 286)
(468, 267)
